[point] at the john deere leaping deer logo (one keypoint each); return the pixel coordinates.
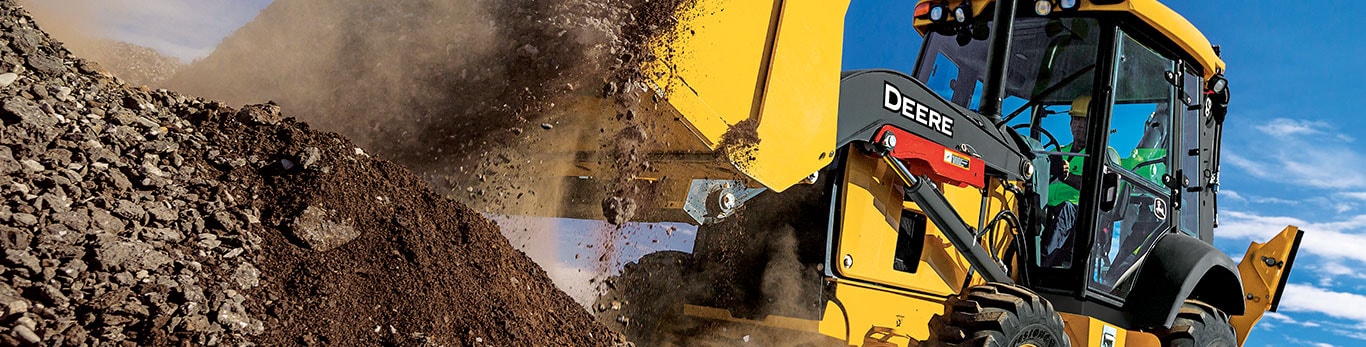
(1160, 209)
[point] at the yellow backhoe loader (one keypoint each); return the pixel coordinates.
(1047, 175)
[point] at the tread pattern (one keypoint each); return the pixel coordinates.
(998, 314)
(1199, 324)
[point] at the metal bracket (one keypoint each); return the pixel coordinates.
(710, 201)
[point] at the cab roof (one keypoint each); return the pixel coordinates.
(1153, 13)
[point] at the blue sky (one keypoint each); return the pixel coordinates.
(1290, 145)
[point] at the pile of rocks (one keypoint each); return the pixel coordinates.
(110, 232)
(144, 217)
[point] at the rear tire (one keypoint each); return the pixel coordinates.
(998, 314)
(1199, 325)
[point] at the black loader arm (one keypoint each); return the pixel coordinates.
(871, 99)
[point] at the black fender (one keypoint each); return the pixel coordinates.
(1182, 267)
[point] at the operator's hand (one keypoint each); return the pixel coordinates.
(1060, 168)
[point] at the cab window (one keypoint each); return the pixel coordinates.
(1140, 135)
(1192, 102)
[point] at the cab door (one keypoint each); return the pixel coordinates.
(1137, 203)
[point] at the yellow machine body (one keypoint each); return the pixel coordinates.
(1089, 331)
(773, 62)
(878, 305)
(1264, 270)
(777, 63)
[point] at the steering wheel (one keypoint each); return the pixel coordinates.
(1052, 141)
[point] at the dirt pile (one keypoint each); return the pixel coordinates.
(141, 217)
(464, 93)
(484, 99)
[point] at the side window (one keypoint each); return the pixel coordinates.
(953, 70)
(1048, 102)
(1140, 139)
(1192, 101)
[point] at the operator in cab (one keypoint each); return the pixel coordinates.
(1064, 190)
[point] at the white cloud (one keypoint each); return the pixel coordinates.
(1307, 343)
(1292, 127)
(1332, 167)
(1356, 334)
(1280, 317)
(1284, 127)
(1343, 207)
(1338, 269)
(1311, 299)
(1334, 202)
(1299, 152)
(1231, 195)
(1269, 200)
(1332, 240)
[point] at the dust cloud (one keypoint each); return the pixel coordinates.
(785, 275)
(417, 81)
(471, 94)
(78, 29)
(488, 100)
(763, 261)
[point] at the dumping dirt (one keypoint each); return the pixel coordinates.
(142, 217)
(427, 83)
(763, 261)
(488, 101)
(471, 95)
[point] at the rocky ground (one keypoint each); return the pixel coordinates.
(145, 217)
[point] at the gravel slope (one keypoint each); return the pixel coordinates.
(141, 217)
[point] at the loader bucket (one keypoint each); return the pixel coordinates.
(742, 96)
(757, 79)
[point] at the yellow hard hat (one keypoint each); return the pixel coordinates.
(1080, 105)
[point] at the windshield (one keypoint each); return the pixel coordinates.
(1052, 63)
